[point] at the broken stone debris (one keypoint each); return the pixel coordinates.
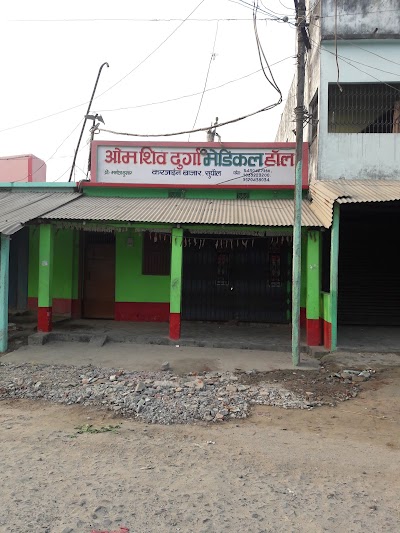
(354, 376)
(155, 397)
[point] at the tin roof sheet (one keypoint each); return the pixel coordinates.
(274, 212)
(325, 193)
(18, 207)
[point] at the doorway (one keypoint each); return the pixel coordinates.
(99, 275)
(231, 278)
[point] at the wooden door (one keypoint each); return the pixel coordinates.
(99, 277)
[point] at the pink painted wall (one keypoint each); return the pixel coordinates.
(22, 168)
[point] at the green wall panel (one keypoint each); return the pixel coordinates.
(303, 289)
(63, 263)
(64, 283)
(131, 284)
(33, 271)
(325, 311)
(226, 194)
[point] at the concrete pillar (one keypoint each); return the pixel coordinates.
(176, 284)
(334, 275)
(45, 300)
(4, 273)
(314, 326)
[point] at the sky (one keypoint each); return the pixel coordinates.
(52, 52)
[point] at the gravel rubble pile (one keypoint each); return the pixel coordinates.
(155, 397)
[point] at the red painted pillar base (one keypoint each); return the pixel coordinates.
(45, 315)
(303, 317)
(327, 335)
(174, 326)
(314, 332)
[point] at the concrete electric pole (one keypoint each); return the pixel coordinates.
(299, 113)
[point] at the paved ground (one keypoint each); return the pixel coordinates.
(273, 337)
(369, 338)
(150, 357)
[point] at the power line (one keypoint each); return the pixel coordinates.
(54, 153)
(219, 125)
(152, 52)
(136, 20)
(212, 58)
(112, 86)
(265, 10)
(261, 54)
(42, 118)
(360, 47)
(350, 62)
(193, 94)
(274, 16)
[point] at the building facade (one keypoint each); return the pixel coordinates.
(172, 233)
(22, 168)
(352, 100)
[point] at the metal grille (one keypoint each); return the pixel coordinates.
(313, 117)
(364, 108)
(369, 276)
(94, 237)
(237, 279)
(243, 195)
(156, 255)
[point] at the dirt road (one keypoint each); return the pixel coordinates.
(329, 469)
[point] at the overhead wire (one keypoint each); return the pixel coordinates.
(152, 52)
(261, 54)
(115, 84)
(135, 20)
(193, 94)
(265, 10)
(350, 62)
(185, 132)
(351, 43)
(270, 78)
(53, 154)
(212, 58)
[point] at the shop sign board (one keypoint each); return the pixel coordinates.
(224, 165)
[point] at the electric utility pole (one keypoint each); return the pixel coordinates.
(299, 113)
(85, 119)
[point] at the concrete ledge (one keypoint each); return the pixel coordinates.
(38, 339)
(101, 340)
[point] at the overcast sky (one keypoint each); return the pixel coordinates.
(48, 67)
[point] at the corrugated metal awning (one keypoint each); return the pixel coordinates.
(274, 212)
(17, 208)
(325, 193)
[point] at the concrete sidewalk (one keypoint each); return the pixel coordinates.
(243, 336)
(150, 357)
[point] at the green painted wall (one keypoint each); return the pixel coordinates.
(313, 270)
(33, 271)
(131, 284)
(325, 309)
(46, 257)
(65, 264)
(227, 194)
(303, 290)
